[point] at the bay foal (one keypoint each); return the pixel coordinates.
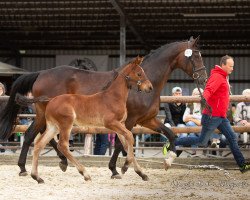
(106, 108)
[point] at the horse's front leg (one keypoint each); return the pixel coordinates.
(156, 125)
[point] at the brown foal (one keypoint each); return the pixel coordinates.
(106, 108)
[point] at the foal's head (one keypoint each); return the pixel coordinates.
(191, 62)
(135, 75)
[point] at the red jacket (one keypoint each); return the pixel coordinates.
(217, 93)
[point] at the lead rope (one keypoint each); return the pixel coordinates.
(190, 167)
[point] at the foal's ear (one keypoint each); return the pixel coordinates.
(138, 60)
(194, 41)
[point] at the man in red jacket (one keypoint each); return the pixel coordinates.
(216, 94)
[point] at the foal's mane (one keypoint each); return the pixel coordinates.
(116, 73)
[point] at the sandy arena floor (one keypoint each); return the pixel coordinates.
(174, 184)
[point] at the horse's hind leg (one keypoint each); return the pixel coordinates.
(63, 146)
(29, 137)
(113, 160)
(63, 164)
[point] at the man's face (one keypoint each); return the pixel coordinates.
(177, 93)
(1, 90)
(229, 66)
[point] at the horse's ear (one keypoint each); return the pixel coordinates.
(195, 41)
(138, 60)
(191, 39)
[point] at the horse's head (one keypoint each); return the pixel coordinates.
(135, 75)
(191, 62)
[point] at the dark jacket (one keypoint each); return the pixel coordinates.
(174, 113)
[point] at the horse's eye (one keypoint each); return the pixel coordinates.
(139, 74)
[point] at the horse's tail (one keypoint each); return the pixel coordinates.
(22, 85)
(24, 101)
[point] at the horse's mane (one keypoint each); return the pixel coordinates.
(156, 52)
(115, 75)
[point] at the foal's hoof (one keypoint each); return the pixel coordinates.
(124, 169)
(39, 180)
(145, 178)
(24, 173)
(87, 178)
(167, 164)
(117, 176)
(63, 166)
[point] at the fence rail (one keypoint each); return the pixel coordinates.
(143, 130)
(183, 99)
(137, 129)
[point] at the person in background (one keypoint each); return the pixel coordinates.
(242, 115)
(2, 104)
(101, 144)
(192, 116)
(174, 113)
(2, 93)
(216, 97)
(27, 110)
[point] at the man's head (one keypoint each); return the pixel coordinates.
(177, 91)
(196, 92)
(246, 92)
(227, 64)
(2, 89)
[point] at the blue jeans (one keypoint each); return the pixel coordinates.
(209, 124)
(192, 124)
(163, 138)
(101, 144)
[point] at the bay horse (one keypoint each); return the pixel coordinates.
(106, 108)
(142, 108)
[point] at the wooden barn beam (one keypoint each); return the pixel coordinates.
(129, 22)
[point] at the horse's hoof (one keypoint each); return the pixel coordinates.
(63, 166)
(40, 181)
(23, 173)
(167, 164)
(117, 176)
(87, 178)
(145, 178)
(124, 169)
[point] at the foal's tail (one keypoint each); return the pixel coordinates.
(22, 85)
(24, 101)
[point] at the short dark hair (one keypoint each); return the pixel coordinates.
(224, 59)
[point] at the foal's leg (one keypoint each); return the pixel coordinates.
(137, 167)
(121, 130)
(50, 132)
(118, 148)
(63, 146)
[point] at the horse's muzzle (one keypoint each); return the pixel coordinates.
(146, 86)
